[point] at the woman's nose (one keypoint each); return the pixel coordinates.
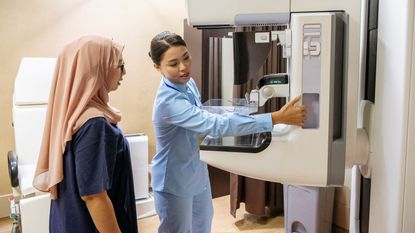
(183, 66)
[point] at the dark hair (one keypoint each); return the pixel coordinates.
(161, 43)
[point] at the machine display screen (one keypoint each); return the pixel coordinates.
(273, 79)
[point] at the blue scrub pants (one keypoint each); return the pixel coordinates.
(184, 214)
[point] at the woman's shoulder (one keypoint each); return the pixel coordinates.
(95, 126)
(95, 121)
(96, 129)
(166, 95)
(192, 84)
(192, 81)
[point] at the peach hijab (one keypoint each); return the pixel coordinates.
(79, 92)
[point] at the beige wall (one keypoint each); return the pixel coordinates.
(41, 28)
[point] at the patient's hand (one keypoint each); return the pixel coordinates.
(291, 113)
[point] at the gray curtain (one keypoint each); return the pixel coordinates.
(260, 197)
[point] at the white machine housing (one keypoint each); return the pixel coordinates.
(392, 205)
(234, 12)
(311, 156)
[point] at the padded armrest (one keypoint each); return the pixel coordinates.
(13, 169)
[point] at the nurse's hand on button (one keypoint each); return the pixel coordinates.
(291, 113)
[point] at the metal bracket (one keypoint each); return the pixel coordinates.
(284, 38)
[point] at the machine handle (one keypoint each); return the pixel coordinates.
(13, 169)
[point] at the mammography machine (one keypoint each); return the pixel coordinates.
(30, 208)
(313, 44)
(324, 43)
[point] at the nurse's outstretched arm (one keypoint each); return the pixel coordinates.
(179, 111)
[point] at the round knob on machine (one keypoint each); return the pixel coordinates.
(267, 92)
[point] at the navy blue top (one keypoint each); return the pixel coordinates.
(96, 160)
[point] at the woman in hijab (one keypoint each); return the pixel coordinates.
(84, 160)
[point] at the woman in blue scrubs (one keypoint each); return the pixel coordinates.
(180, 179)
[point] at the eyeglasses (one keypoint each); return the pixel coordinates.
(121, 66)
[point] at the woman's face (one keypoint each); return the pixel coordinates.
(116, 74)
(175, 64)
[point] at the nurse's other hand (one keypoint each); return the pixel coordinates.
(291, 113)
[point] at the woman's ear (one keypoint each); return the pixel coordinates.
(157, 67)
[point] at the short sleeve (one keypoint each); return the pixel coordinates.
(94, 149)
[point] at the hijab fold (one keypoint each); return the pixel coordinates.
(79, 92)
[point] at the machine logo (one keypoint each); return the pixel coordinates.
(311, 36)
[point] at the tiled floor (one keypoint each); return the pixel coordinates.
(223, 222)
(5, 225)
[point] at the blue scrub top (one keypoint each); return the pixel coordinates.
(178, 120)
(97, 159)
